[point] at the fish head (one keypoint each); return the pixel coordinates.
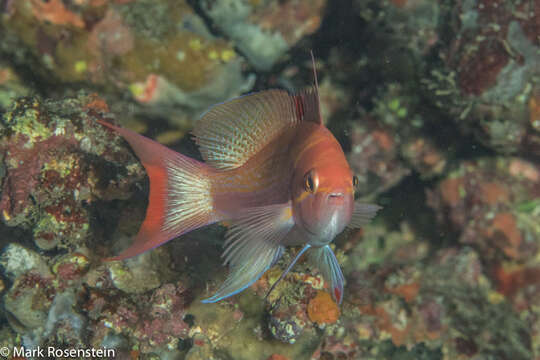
(323, 201)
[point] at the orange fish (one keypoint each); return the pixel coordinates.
(272, 171)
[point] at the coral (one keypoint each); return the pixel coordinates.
(11, 86)
(67, 325)
(140, 274)
(265, 30)
(153, 320)
(276, 357)
(534, 109)
(322, 309)
(287, 322)
(373, 157)
(28, 301)
(17, 260)
(70, 268)
(485, 200)
(425, 157)
(117, 46)
(55, 12)
(49, 150)
(488, 72)
(413, 22)
(435, 104)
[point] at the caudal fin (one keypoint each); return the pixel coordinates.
(180, 198)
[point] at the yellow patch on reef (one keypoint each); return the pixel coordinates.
(6, 215)
(200, 60)
(228, 55)
(195, 44)
(213, 55)
(495, 298)
(136, 89)
(61, 166)
(61, 62)
(81, 66)
(188, 61)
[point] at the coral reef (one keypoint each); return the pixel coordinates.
(57, 162)
(160, 53)
(436, 105)
(492, 203)
(11, 86)
(489, 73)
(265, 30)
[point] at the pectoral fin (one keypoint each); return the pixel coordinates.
(253, 244)
(362, 214)
(324, 259)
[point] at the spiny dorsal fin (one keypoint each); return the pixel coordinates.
(307, 105)
(232, 132)
(308, 102)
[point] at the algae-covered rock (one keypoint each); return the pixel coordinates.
(11, 86)
(156, 52)
(492, 204)
(488, 73)
(58, 160)
(141, 273)
(17, 260)
(28, 301)
(265, 30)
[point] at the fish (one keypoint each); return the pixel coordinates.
(272, 171)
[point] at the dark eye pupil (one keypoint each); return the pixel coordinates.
(310, 183)
(355, 180)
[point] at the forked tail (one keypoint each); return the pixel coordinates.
(180, 197)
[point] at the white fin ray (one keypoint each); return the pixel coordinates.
(188, 196)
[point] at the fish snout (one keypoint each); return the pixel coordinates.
(336, 197)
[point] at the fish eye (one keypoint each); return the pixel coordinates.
(311, 181)
(355, 181)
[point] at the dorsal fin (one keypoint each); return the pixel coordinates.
(308, 102)
(307, 105)
(228, 134)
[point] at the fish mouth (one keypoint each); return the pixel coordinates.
(335, 198)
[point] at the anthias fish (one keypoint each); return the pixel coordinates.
(272, 171)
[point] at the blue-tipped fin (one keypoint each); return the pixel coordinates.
(325, 260)
(244, 275)
(253, 244)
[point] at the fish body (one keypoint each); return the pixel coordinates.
(272, 171)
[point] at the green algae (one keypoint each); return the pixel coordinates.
(26, 120)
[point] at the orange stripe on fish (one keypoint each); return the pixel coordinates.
(272, 172)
